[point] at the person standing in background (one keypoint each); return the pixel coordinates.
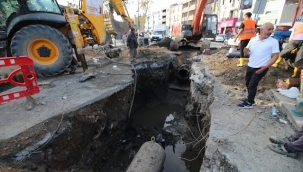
(247, 31)
(264, 51)
(132, 44)
(124, 37)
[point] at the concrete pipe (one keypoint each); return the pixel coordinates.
(183, 72)
(150, 157)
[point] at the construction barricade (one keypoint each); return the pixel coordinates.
(29, 76)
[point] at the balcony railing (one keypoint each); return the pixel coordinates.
(185, 9)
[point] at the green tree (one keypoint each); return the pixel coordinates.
(142, 20)
(144, 7)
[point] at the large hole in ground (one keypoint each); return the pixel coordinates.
(101, 137)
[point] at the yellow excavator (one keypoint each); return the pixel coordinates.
(49, 35)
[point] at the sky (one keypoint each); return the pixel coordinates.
(133, 5)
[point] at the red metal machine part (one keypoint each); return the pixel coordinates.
(197, 28)
(30, 79)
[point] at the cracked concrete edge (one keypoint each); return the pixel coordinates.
(106, 93)
(203, 82)
(214, 158)
(34, 137)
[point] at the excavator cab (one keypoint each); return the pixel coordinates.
(207, 29)
(209, 26)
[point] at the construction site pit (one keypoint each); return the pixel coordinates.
(171, 102)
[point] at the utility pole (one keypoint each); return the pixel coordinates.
(148, 22)
(258, 11)
(240, 11)
(138, 20)
(296, 13)
(214, 7)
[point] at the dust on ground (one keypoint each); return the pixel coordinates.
(227, 71)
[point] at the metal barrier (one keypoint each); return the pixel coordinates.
(29, 76)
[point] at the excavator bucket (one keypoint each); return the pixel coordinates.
(119, 27)
(113, 26)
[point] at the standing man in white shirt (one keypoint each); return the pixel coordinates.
(264, 51)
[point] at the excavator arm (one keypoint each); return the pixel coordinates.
(98, 25)
(120, 9)
(197, 16)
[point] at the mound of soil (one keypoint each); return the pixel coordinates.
(153, 53)
(227, 71)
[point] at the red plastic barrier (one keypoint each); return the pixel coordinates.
(30, 78)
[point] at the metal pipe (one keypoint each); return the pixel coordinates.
(257, 15)
(125, 8)
(138, 20)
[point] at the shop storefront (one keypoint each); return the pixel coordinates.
(227, 26)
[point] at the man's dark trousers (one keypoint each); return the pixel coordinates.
(252, 80)
(243, 44)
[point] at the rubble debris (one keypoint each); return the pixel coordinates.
(87, 78)
(163, 43)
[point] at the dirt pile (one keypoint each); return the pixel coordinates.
(153, 53)
(227, 71)
(163, 43)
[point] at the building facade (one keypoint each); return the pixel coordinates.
(154, 19)
(175, 15)
(278, 12)
(230, 13)
(188, 8)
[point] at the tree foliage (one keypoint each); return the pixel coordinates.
(144, 7)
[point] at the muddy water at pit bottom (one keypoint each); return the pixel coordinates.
(156, 116)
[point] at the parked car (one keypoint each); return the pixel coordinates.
(220, 38)
(231, 41)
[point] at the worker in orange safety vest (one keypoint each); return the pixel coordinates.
(248, 29)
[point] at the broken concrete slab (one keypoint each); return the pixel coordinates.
(15, 119)
(287, 105)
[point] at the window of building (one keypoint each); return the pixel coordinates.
(185, 5)
(191, 12)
